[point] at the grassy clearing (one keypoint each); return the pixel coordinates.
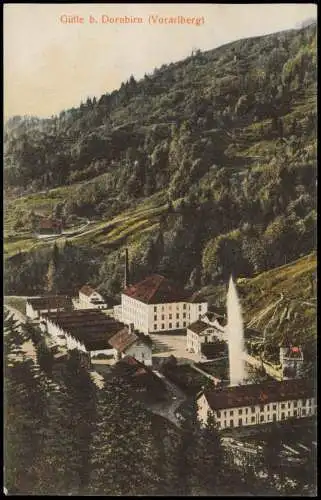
(134, 224)
(21, 245)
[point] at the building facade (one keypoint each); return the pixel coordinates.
(218, 322)
(91, 299)
(158, 305)
(199, 333)
(36, 306)
(50, 226)
(87, 330)
(267, 402)
(130, 343)
(291, 360)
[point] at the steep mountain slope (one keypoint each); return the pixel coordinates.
(203, 168)
(215, 108)
(281, 303)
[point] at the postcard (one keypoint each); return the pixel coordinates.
(160, 249)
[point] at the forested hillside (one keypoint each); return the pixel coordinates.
(203, 168)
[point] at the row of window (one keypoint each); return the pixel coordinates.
(156, 308)
(170, 325)
(170, 316)
(162, 308)
(252, 420)
(305, 402)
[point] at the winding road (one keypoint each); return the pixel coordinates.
(65, 234)
(168, 409)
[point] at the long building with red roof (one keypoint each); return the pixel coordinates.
(158, 304)
(254, 404)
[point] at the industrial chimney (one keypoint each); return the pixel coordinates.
(126, 280)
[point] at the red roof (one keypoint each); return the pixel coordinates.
(293, 353)
(265, 392)
(50, 224)
(157, 289)
(123, 339)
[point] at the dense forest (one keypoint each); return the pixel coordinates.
(64, 436)
(224, 141)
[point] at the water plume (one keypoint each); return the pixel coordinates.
(235, 336)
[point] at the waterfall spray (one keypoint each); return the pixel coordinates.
(235, 336)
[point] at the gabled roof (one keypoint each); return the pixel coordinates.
(157, 289)
(50, 302)
(214, 317)
(50, 224)
(90, 326)
(124, 339)
(199, 326)
(87, 290)
(265, 392)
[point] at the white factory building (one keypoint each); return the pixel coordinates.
(156, 304)
(36, 306)
(87, 330)
(266, 402)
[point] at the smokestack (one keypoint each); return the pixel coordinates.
(126, 278)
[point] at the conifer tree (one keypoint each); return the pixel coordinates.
(56, 468)
(81, 406)
(210, 458)
(52, 273)
(123, 450)
(187, 453)
(24, 415)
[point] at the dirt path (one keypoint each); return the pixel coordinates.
(168, 409)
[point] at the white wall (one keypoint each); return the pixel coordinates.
(117, 312)
(108, 352)
(172, 316)
(262, 414)
(149, 318)
(134, 311)
(197, 310)
(35, 314)
(86, 301)
(141, 352)
(30, 312)
(194, 341)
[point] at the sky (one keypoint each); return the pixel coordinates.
(51, 65)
